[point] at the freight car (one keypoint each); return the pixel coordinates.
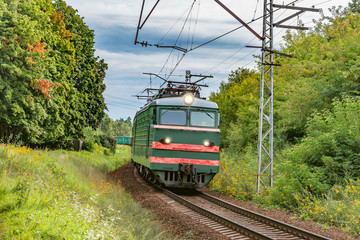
(176, 138)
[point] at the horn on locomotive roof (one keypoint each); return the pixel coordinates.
(174, 88)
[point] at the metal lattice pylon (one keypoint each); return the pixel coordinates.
(266, 123)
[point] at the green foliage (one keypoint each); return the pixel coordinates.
(325, 66)
(89, 140)
(237, 102)
(108, 142)
(354, 6)
(340, 207)
(51, 81)
(316, 111)
(237, 175)
(106, 135)
(331, 146)
(65, 195)
(118, 127)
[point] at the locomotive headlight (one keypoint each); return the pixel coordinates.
(188, 99)
(208, 143)
(166, 140)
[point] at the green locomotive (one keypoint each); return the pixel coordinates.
(176, 138)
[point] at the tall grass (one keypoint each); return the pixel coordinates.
(65, 195)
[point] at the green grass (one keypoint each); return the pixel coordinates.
(65, 195)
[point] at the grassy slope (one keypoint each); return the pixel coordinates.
(65, 195)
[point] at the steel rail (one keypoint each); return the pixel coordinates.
(264, 219)
(226, 222)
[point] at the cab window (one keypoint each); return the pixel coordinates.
(202, 118)
(172, 117)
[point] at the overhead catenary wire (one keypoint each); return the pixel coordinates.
(244, 48)
(257, 4)
(181, 56)
(252, 52)
(235, 29)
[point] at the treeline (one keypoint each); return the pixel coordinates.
(51, 82)
(107, 134)
(317, 130)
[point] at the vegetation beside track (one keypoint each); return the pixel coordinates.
(316, 132)
(65, 195)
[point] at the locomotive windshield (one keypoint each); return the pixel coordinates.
(202, 118)
(173, 117)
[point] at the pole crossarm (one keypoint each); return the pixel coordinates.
(293, 27)
(301, 10)
(289, 17)
(296, 8)
(239, 19)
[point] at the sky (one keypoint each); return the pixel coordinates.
(187, 24)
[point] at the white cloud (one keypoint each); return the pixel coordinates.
(125, 78)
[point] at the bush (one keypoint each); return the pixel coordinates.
(237, 175)
(331, 146)
(108, 142)
(89, 140)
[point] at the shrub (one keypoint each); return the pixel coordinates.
(108, 142)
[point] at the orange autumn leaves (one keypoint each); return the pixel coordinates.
(45, 86)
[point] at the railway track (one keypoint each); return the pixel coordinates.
(233, 221)
(236, 222)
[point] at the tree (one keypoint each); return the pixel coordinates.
(41, 45)
(354, 6)
(238, 104)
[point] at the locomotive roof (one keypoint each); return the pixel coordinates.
(179, 101)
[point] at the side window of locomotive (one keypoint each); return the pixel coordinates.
(154, 116)
(202, 119)
(172, 117)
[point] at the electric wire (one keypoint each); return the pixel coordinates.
(257, 4)
(131, 102)
(180, 58)
(172, 50)
(196, 21)
(182, 15)
(116, 104)
(235, 29)
(243, 48)
(183, 55)
(252, 52)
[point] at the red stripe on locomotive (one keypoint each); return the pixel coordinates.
(184, 160)
(185, 147)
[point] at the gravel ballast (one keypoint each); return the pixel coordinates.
(181, 225)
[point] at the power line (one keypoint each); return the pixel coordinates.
(114, 104)
(235, 29)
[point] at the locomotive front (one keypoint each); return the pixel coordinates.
(176, 141)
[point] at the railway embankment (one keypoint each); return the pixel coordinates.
(66, 195)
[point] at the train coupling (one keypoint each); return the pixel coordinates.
(187, 169)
